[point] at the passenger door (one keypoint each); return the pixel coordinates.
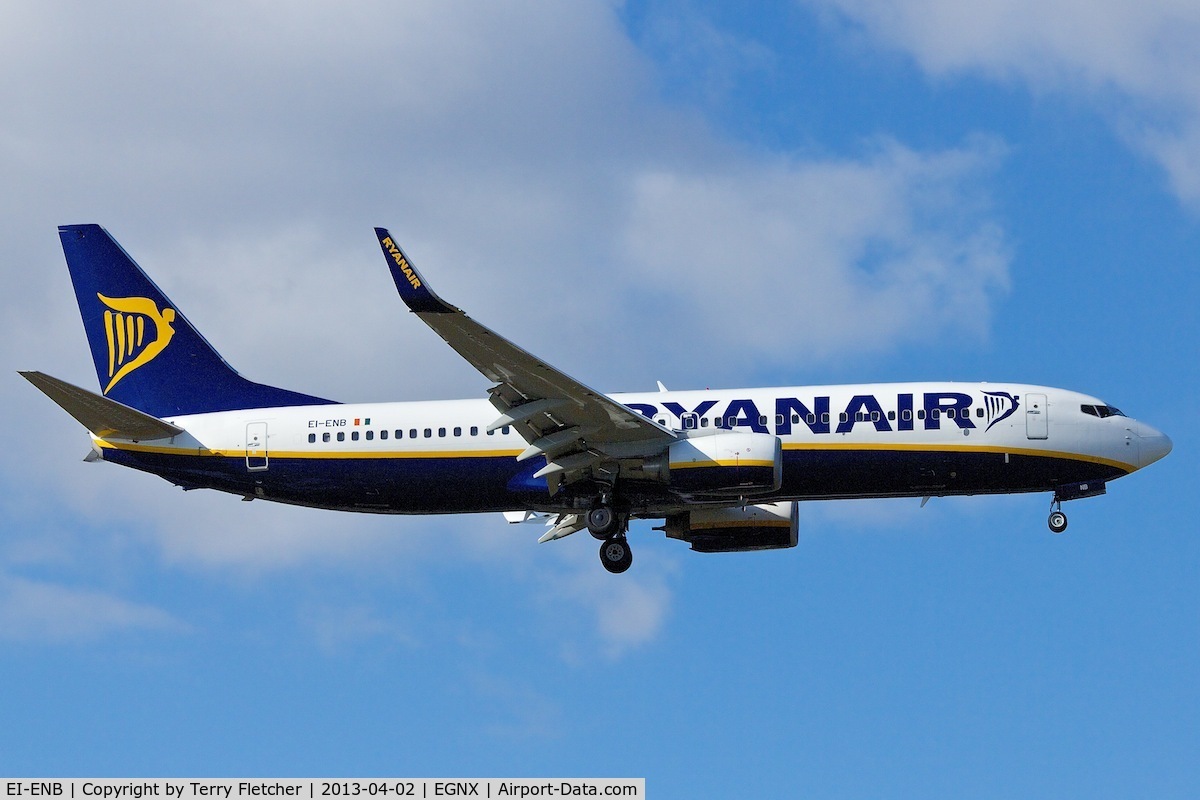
(1036, 419)
(256, 446)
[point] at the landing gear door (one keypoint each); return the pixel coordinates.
(256, 446)
(1036, 421)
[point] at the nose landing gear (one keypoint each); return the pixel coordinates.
(1057, 520)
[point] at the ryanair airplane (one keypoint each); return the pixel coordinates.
(723, 469)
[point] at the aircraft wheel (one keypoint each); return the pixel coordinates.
(602, 522)
(615, 555)
(1057, 521)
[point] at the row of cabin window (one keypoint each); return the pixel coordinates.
(906, 415)
(413, 433)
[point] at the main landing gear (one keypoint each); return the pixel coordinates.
(1057, 520)
(609, 527)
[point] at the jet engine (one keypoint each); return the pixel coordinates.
(770, 526)
(726, 463)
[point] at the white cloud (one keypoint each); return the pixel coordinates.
(1137, 60)
(46, 612)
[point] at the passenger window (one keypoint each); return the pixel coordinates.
(458, 431)
(921, 414)
(843, 417)
(441, 432)
(704, 422)
(949, 413)
(906, 415)
(474, 430)
(429, 433)
(383, 434)
(812, 419)
(778, 420)
(324, 437)
(504, 430)
(979, 412)
(762, 420)
(341, 436)
(412, 433)
(825, 418)
(312, 438)
(874, 416)
(371, 435)
(892, 415)
(354, 436)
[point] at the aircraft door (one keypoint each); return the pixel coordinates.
(256, 446)
(1036, 417)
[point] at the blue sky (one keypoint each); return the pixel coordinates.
(706, 194)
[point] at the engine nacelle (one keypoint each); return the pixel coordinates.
(726, 463)
(770, 526)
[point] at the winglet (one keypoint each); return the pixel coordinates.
(412, 287)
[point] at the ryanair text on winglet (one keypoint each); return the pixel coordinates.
(401, 262)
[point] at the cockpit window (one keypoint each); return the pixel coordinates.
(1102, 411)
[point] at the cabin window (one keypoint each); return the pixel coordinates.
(843, 417)
(795, 419)
(458, 431)
(429, 433)
(412, 433)
(811, 419)
(950, 413)
(689, 421)
(442, 432)
(892, 416)
(778, 420)
(383, 434)
(906, 415)
(921, 413)
(312, 438)
(324, 437)
(504, 430)
(875, 416)
(825, 418)
(474, 430)
(762, 420)
(704, 422)
(341, 436)
(371, 435)
(935, 413)
(979, 412)
(354, 436)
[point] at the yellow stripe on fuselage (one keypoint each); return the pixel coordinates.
(813, 446)
(958, 448)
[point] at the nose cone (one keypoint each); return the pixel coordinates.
(1153, 445)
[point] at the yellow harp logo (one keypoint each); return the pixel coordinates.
(130, 344)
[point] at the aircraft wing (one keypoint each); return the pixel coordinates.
(576, 428)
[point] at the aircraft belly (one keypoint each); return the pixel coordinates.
(380, 485)
(831, 473)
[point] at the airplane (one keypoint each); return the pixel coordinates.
(725, 470)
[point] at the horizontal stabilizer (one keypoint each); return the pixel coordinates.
(103, 417)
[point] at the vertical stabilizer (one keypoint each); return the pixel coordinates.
(147, 355)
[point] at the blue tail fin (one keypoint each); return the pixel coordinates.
(148, 356)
